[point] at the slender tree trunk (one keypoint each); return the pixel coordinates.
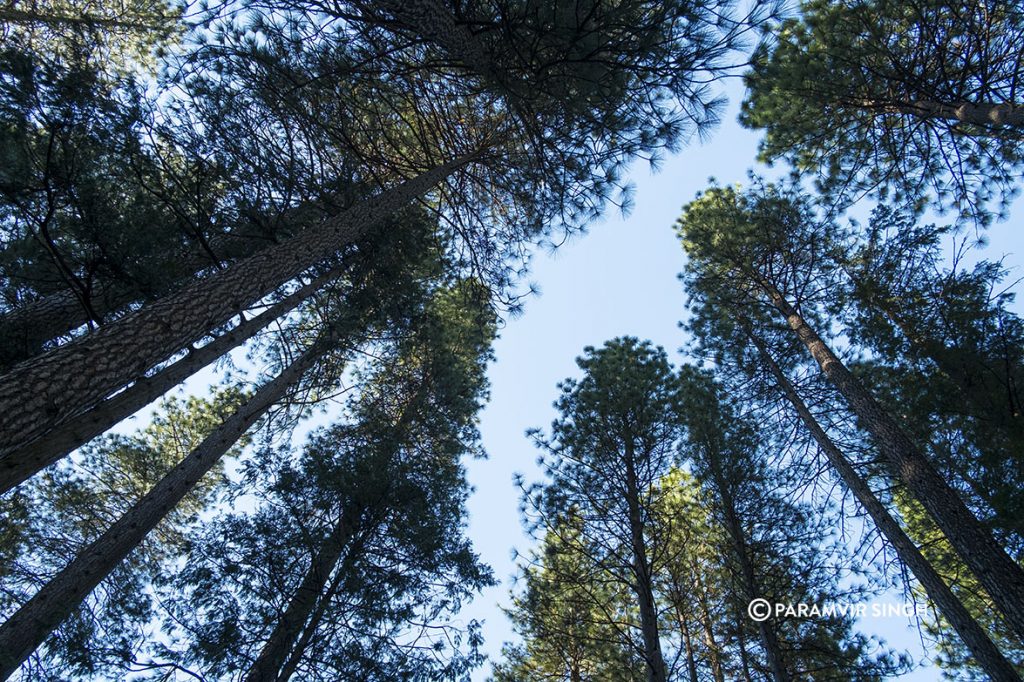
(47, 391)
(18, 465)
(714, 651)
(979, 644)
(741, 641)
(36, 619)
(656, 671)
(1001, 577)
(289, 627)
(982, 114)
(691, 660)
(275, 654)
(769, 638)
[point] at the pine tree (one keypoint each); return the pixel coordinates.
(615, 437)
(874, 95)
(766, 246)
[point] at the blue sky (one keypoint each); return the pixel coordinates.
(618, 279)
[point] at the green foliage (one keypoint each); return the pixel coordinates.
(571, 618)
(54, 516)
(895, 97)
(391, 472)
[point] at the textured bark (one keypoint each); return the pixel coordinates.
(42, 393)
(691, 661)
(769, 638)
(24, 331)
(984, 650)
(18, 465)
(1001, 577)
(38, 617)
(983, 114)
(642, 585)
(302, 604)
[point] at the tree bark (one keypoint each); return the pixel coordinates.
(714, 650)
(769, 638)
(981, 114)
(691, 660)
(642, 584)
(39, 616)
(45, 392)
(26, 329)
(1001, 577)
(984, 650)
(20, 464)
(289, 627)
(268, 667)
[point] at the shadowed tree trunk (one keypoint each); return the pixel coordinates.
(656, 671)
(45, 392)
(983, 649)
(18, 465)
(1001, 577)
(281, 641)
(769, 638)
(36, 619)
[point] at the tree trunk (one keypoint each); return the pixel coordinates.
(275, 654)
(769, 638)
(656, 671)
(1001, 577)
(36, 619)
(987, 654)
(691, 660)
(18, 465)
(714, 651)
(26, 329)
(42, 393)
(983, 114)
(289, 627)
(741, 641)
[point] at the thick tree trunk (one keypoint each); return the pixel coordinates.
(43, 393)
(1001, 577)
(656, 671)
(987, 654)
(18, 465)
(275, 651)
(769, 638)
(36, 619)
(25, 330)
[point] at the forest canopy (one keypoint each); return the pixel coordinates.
(255, 257)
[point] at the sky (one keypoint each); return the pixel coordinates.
(619, 279)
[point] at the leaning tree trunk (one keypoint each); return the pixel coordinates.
(1001, 577)
(985, 114)
(769, 638)
(43, 393)
(39, 616)
(25, 330)
(656, 671)
(310, 590)
(18, 465)
(984, 650)
(282, 641)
